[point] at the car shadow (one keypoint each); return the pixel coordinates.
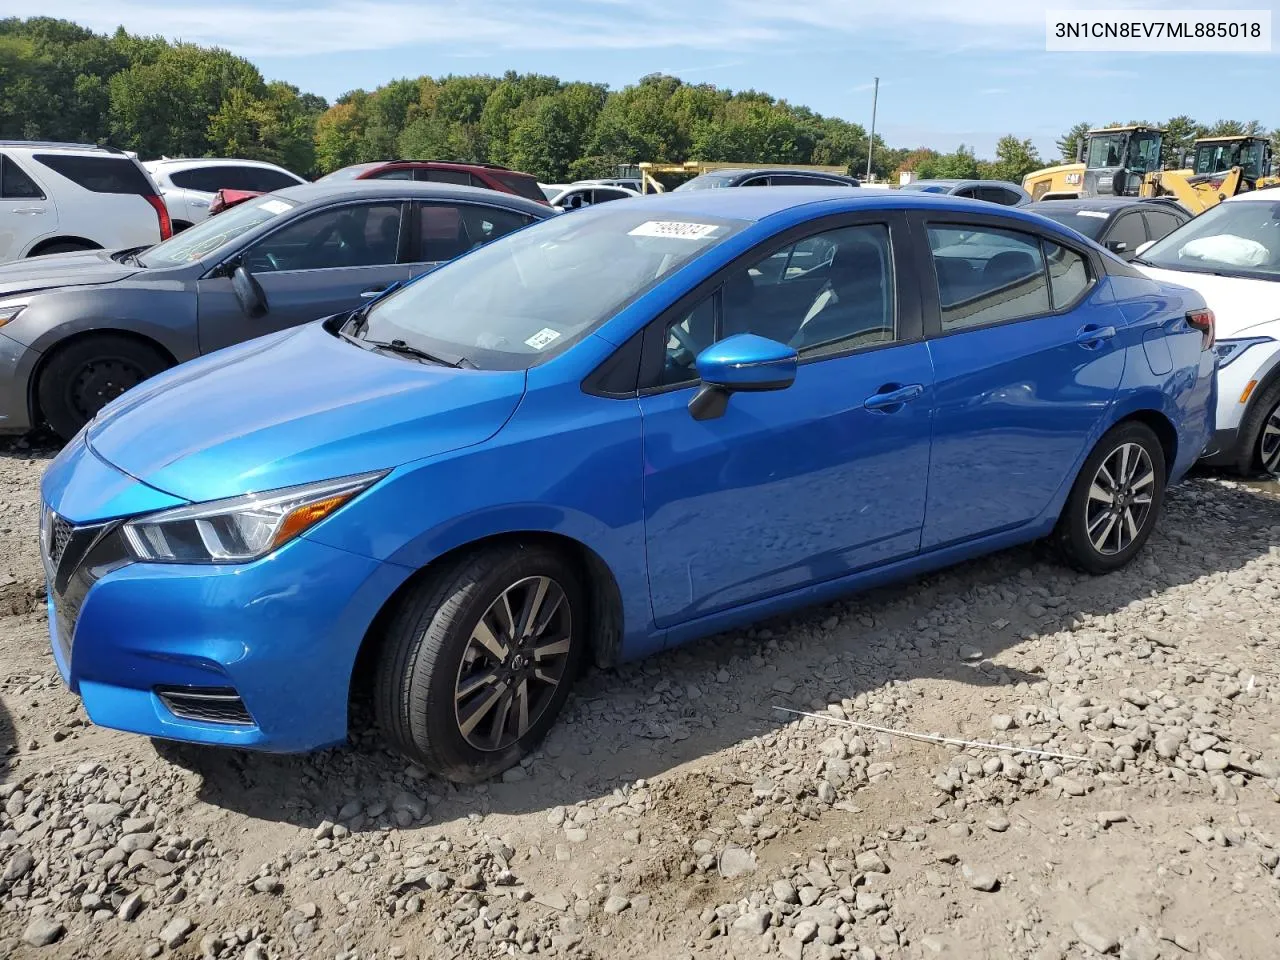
(646, 718)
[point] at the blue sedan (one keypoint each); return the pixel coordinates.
(599, 437)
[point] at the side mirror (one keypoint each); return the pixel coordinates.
(253, 301)
(1144, 247)
(1117, 246)
(744, 362)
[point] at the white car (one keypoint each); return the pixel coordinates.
(1230, 255)
(189, 185)
(587, 194)
(67, 197)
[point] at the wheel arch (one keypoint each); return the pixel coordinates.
(604, 598)
(1164, 430)
(79, 336)
(39, 248)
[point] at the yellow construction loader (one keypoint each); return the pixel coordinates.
(1110, 162)
(1217, 168)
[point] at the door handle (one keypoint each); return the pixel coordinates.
(29, 210)
(891, 396)
(1091, 335)
(372, 292)
(198, 203)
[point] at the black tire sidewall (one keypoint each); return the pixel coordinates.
(1249, 454)
(432, 723)
(55, 377)
(1075, 537)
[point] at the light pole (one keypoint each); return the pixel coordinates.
(871, 141)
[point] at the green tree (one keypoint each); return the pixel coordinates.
(1070, 142)
(1180, 133)
(1014, 160)
(959, 165)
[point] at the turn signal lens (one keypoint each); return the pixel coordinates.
(307, 516)
(1248, 391)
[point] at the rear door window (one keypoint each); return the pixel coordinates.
(396, 173)
(460, 177)
(998, 195)
(448, 230)
(261, 179)
(15, 184)
(519, 184)
(987, 275)
(99, 174)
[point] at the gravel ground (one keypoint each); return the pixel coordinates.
(674, 813)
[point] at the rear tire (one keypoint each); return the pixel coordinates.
(1257, 449)
(1115, 501)
(83, 377)
(471, 644)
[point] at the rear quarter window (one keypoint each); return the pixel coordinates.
(99, 174)
(521, 186)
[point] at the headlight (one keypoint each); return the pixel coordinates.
(10, 309)
(1229, 350)
(239, 529)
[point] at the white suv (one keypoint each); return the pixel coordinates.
(1230, 255)
(189, 186)
(63, 197)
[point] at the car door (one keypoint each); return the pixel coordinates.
(317, 264)
(1027, 360)
(25, 212)
(805, 484)
(444, 229)
(1125, 234)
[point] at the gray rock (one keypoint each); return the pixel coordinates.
(176, 931)
(736, 862)
(552, 899)
(19, 865)
(1106, 818)
(784, 891)
(101, 814)
(405, 802)
(869, 862)
(438, 880)
(268, 884)
(137, 841)
(42, 931)
(980, 878)
(515, 774)
(615, 905)
(130, 907)
(969, 654)
(137, 825)
(804, 931)
(350, 809)
(754, 923)
(1094, 937)
(784, 685)
(1002, 722)
(997, 823)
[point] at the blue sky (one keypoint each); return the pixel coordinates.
(951, 71)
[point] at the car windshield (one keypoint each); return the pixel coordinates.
(521, 299)
(1080, 219)
(1106, 151)
(1240, 238)
(707, 181)
(204, 238)
(925, 187)
(347, 173)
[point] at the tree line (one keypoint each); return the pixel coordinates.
(61, 81)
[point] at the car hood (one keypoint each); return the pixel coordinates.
(61, 270)
(292, 408)
(1238, 303)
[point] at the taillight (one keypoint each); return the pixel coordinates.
(1203, 321)
(162, 212)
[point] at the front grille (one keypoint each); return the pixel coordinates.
(206, 704)
(75, 558)
(57, 535)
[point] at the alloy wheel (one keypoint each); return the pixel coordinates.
(1119, 500)
(1269, 446)
(101, 382)
(513, 663)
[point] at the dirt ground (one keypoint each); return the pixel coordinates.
(675, 813)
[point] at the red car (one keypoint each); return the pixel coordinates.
(489, 176)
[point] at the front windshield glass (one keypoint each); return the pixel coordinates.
(924, 187)
(523, 298)
(1088, 222)
(1240, 238)
(1144, 152)
(204, 238)
(1106, 151)
(1213, 158)
(1220, 157)
(708, 181)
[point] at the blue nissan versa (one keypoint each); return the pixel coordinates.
(600, 436)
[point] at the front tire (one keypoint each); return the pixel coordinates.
(83, 377)
(1115, 501)
(478, 658)
(1259, 447)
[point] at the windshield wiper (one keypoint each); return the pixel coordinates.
(408, 350)
(1145, 263)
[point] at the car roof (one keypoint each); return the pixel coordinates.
(207, 161)
(58, 146)
(758, 171)
(1267, 193)
(308, 193)
(1090, 203)
(755, 205)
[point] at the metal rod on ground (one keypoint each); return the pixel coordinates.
(929, 738)
(871, 141)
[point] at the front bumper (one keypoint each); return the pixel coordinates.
(276, 638)
(16, 363)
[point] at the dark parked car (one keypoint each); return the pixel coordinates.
(993, 191)
(79, 329)
(781, 177)
(487, 176)
(1121, 224)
